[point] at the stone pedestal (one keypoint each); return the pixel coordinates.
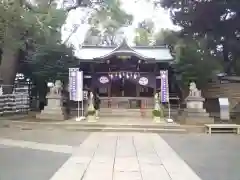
(54, 109)
(91, 119)
(195, 114)
(158, 120)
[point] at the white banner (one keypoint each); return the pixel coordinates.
(73, 83)
(79, 96)
(164, 86)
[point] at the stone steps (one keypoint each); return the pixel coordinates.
(132, 112)
(107, 127)
(129, 129)
(129, 113)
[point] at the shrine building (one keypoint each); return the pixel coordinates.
(127, 76)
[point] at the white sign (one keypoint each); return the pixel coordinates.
(223, 101)
(79, 87)
(224, 108)
(143, 81)
(72, 83)
(103, 79)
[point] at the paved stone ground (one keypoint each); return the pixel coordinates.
(125, 156)
(61, 155)
(27, 164)
(108, 156)
(212, 157)
(35, 154)
(55, 136)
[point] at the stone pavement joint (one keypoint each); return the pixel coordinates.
(175, 166)
(76, 166)
(37, 146)
(125, 156)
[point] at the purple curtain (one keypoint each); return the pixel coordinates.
(100, 80)
(148, 80)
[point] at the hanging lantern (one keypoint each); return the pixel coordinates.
(111, 76)
(120, 75)
(135, 76)
(127, 76)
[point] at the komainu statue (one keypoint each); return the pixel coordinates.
(57, 88)
(193, 91)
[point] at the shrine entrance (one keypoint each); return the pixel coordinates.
(123, 88)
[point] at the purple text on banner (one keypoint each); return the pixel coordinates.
(73, 83)
(164, 86)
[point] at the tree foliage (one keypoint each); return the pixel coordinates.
(193, 60)
(195, 63)
(45, 55)
(31, 40)
(216, 20)
(106, 24)
(144, 33)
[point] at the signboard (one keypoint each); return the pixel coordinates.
(164, 86)
(79, 86)
(73, 83)
(224, 108)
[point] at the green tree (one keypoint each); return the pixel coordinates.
(144, 33)
(21, 29)
(172, 39)
(31, 39)
(196, 63)
(216, 20)
(106, 23)
(24, 27)
(193, 60)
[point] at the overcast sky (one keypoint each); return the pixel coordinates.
(140, 10)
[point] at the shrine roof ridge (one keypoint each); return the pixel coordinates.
(133, 47)
(157, 53)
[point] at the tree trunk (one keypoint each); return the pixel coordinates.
(228, 68)
(8, 68)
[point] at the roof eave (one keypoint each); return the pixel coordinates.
(123, 53)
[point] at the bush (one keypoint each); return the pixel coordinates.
(91, 113)
(157, 113)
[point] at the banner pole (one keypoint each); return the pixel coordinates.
(82, 110)
(169, 110)
(78, 112)
(79, 93)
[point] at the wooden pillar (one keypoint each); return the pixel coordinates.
(123, 82)
(109, 94)
(138, 90)
(92, 73)
(109, 89)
